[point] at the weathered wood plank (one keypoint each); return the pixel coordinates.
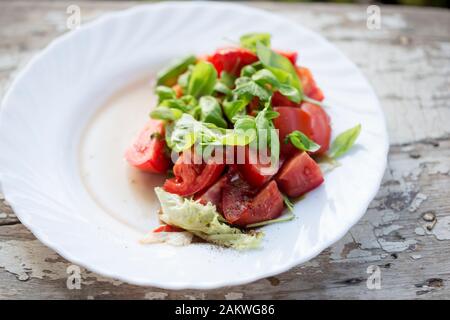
(407, 61)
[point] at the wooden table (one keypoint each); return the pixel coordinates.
(408, 63)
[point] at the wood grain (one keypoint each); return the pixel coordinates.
(408, 63)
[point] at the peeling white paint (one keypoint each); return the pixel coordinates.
(365, 236)
(390, 216)
(387, 230)
(201, 296)
(31, 259)
(419, 231)
(416, 256)
(314, 263)
(439, 168)
(155, 295)
(234, 296)
(396, 246)
(338, 248)
(442, 228)
(418, 200)
(363, 255)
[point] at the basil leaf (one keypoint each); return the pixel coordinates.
(232, 108)
(165, 113)
(183, 80)
(182, 134)
(188, 131)
(202, 79)
(253, 89)
(168, 128)
(290, 92)
(248, 71)
(264, 124)
(250, 40)
(220, 87)
(227, 79)
(189, 101)
(237, 137)
(344, 141)
(225, 83)
(301, 141)
(264, 76)
(175, 104)
(211, 111)
(168, 76)
(242, 80)
(165, 93)
(280, 66)
(270, 114)
(245, 126)
(257, 65)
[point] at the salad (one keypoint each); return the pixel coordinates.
(240, 134)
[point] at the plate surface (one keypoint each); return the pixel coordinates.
(51, 102)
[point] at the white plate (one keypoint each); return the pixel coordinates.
(49, 105)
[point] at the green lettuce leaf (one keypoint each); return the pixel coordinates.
(203, 221)
(250, 40)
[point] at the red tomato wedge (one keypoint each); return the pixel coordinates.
(254, 170)
(191, 177)
(242, 206)
(310, 88)
(148, 152)
(232, 60)
(213, 195)
(167, 228)
(278, 100)
(319, 125)
(310, 119)
(178, 90)
(291, 55)
(290, 119)
(253, 106)
(299, 175)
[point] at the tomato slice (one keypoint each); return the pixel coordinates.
(213, 195)
(278, 100)
(291, 55)
(178, 90)
(253, 106)
(309, 85)
(291, 119)
(253, 170)
(243, 206)
(167, 228)
(319, 125)
(310, 119)
(148, 152)
(232, 60)
(299, 175)
(191, 177)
